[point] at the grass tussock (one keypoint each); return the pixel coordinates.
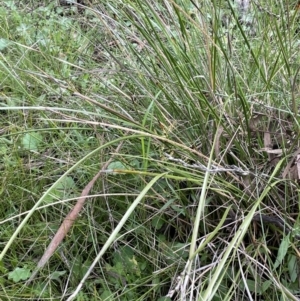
(173, 125)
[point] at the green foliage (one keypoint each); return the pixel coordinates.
(31, 141)
(19, 274)
(190, 111)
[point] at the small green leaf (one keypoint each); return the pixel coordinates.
(19, 274)
(65, 188)
(178, 209)
(66, 183)
(180, 249)
(266, 285)
(157, 222)
(252, 286)
(31, 141)
(293, 267)
(57, 274)
(4, 43)
(283, 248)
(107, 296)
(116, 165)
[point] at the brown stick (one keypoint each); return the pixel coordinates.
(70, 219)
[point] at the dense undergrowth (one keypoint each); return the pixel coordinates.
(190, 111)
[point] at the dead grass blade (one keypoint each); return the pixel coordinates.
(70, 219)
